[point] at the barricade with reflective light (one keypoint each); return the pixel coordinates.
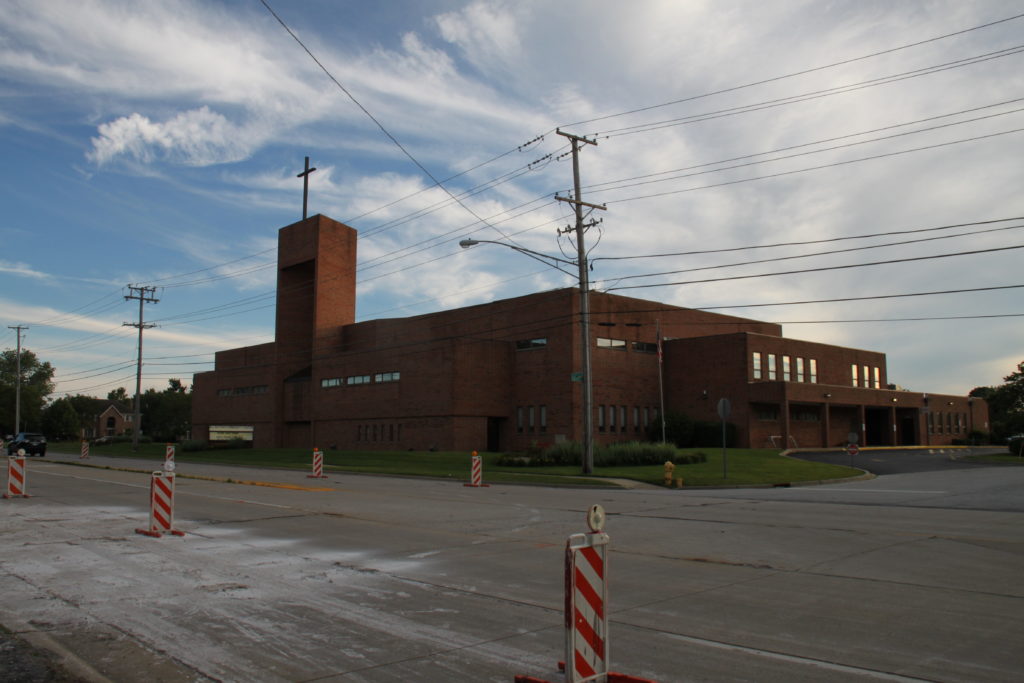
(476, 471)
(586, 609)
(85, 450)
(318, 465)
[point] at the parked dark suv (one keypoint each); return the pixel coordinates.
(33, 444)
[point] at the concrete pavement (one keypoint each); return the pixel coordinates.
(381, 579)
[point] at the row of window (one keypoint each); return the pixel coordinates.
(379, 432)
(353, 380)
(767, 366)
(531, 419)
(868, 377)
(613, 418)
(601, 342)
(947, 423)
(244, 391)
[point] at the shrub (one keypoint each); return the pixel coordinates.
(616, 455)
(192, 446)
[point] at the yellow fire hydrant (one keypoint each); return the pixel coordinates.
(669, 469)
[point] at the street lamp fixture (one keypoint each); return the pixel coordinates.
(584, 286)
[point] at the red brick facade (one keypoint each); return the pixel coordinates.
(500, 376)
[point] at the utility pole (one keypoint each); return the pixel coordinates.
(581, 257)
(144, 295)
(17, 384)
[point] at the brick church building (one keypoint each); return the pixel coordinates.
(503, 376)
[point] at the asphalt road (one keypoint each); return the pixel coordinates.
(904, 577)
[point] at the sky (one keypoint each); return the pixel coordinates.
(812, 151)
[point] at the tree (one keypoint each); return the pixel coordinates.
(167, 415)
(1005, 405)
(61, 421)
(36, 385)
(120, 395)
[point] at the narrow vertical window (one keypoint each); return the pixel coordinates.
(755, 364)
(853, 374)
(622, 418)
(531, 422)
(611, 418)
(647, 417)
(814, 370)
(878, 378)
(519, 419)
(799, 369)
(543, 418)
(600, 418)
(866, 377)
(636, 418)
(786, 376)
(771, 366)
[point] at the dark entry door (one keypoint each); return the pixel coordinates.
(495, 426)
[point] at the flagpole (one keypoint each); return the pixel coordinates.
(661, 383)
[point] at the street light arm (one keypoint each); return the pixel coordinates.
(536, 255)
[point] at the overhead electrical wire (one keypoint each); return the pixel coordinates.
(794, 74)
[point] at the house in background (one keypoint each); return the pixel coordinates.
(504, 375)
(110, 418)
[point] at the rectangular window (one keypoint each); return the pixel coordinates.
(525, 344)
(328, 382)
(755, 364)
(771, 367)
(766, 412)
(531, 422)
(645, 347)
(878, 378)
(611, 418)
(384, 377)
(622, 418)
(799, 369)
(931, 423)
(636, 419)
(600, 418)
(786, 375)
(223, 392)
(814, 370)
(519, 419)
(647, 417)
(853, 374)
(357, 379)
(543, 418)
(866, 377)
(617, 344)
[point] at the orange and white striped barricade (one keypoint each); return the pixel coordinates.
(16, 485)
(476, 471)
(586, 609)
(161, 506)
(85, 450)
(169, 458)
(318, 465)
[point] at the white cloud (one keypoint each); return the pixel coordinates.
(199, 137)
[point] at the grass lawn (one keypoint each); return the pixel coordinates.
(745, 466)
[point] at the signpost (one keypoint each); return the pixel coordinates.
(852, 448)
(724, 409)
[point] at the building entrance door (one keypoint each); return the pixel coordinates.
(495, 427)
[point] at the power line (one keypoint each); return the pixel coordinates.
(818, 270)
(379, 125)
(795, 73)
(812, 255)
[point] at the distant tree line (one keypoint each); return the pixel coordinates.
(166, 415)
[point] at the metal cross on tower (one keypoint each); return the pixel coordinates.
(305, 186)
